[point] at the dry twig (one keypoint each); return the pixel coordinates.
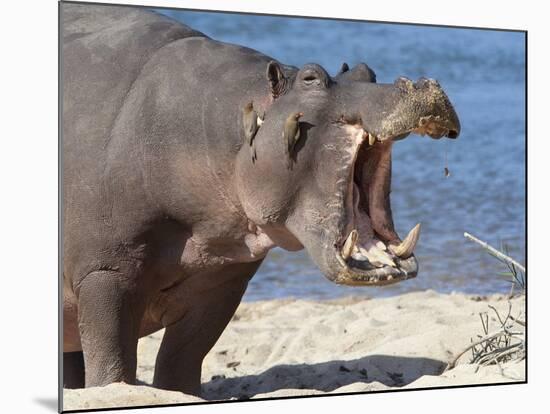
(495, 252)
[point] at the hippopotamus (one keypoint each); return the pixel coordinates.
(165, 214)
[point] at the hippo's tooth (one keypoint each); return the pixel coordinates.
(376, 256)
(380, 245)
(349, 244)
(405, 249)
(372, 139)
(259, 121)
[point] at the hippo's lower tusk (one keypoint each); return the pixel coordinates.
(349, 244)
(406, 248)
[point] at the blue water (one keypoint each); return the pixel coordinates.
(483, 73)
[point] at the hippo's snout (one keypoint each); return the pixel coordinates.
(427, 106)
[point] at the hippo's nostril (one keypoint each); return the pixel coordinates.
(404, 84)
(424, 83)
(421, 83)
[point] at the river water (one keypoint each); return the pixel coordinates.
(483, 72)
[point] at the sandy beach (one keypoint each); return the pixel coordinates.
(297, 347)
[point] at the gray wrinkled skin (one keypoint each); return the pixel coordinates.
(166, 217)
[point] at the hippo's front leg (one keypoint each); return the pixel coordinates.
(109, 314)
(187, 341)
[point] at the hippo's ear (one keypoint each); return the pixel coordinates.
(343, 69)
(361, 72)
(276, 78)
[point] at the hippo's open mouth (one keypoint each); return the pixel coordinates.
(368, 248)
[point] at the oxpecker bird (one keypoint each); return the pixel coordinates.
(250, 126)
(291, 134)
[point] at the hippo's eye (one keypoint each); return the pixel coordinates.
(313, 75)
(311, 79)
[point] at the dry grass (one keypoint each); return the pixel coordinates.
(506, 341)
(504, 344)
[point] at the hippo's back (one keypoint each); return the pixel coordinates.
(104, 49)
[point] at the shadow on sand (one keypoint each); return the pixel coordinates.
(49, 403)
(389, 370)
